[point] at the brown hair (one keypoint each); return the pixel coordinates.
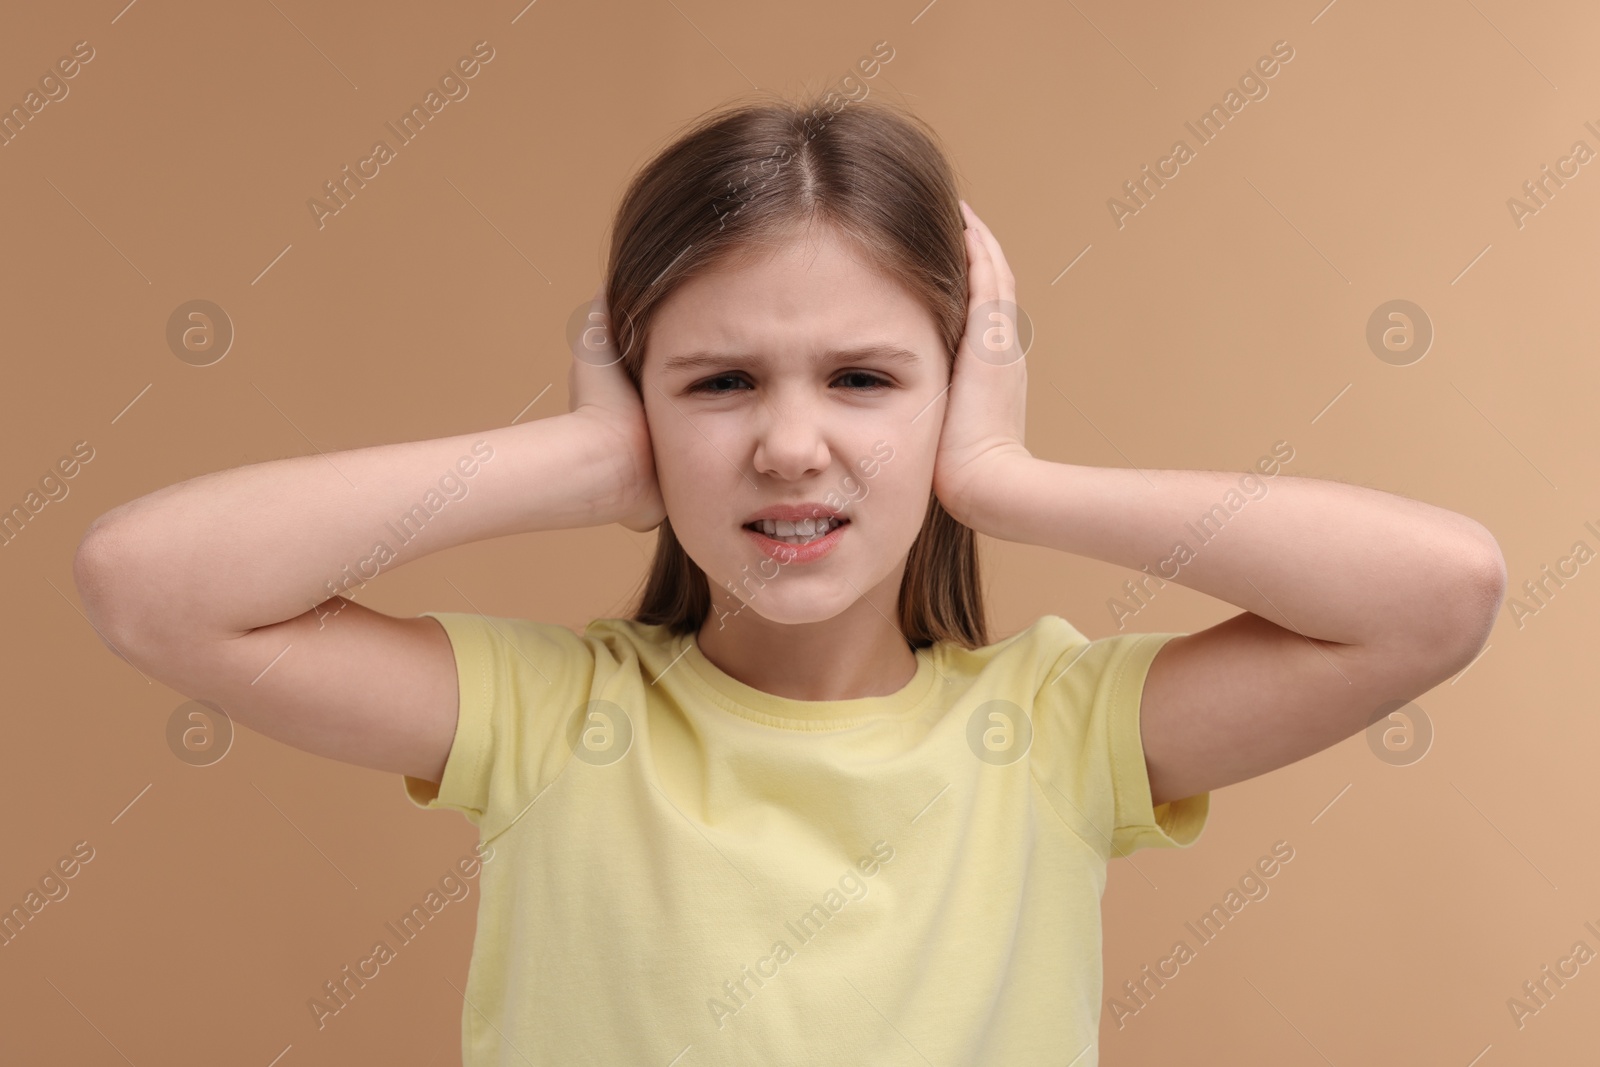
(747, 178)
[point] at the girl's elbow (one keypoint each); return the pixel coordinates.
(107, 573)
(1487, 571)
(1479, 593)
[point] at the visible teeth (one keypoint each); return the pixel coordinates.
(797, 532)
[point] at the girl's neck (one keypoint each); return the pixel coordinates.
(857, 653)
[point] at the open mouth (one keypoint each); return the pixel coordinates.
(803, 532)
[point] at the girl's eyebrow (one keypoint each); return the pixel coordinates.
(881, 350)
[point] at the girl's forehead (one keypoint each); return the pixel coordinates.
(810, 291)
(806, 301)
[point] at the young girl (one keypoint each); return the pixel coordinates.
(799, 808)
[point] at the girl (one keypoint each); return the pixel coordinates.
(798, 808)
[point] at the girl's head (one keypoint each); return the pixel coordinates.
(788, 288)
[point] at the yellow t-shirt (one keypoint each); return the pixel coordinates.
(687, 870)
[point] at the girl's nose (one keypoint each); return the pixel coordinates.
(791, 443)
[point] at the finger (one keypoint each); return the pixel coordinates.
(1005, 280)
(596, 375)
(989, 240)
(1006, 285)
(992, 296)
(597, 346)
(982, 285)
(984, 307)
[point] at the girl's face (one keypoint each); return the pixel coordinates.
(761, 387)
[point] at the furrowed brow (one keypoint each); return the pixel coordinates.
(705, 360)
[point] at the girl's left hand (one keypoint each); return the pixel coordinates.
(987, 403)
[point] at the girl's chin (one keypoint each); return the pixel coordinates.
(772, 616)
(792, 604)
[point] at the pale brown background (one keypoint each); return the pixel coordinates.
(1227, 315)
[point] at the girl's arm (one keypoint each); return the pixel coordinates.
(1336, 562)
(234, 586)
(1354, 599)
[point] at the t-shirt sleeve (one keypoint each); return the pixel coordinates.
(1091, 752)
(519, 684)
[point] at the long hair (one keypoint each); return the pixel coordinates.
(746, 178)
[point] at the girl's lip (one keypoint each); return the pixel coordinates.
(783, 552)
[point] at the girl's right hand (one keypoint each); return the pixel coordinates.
(598, 388)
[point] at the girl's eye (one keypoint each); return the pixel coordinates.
(866, 383)
(706, 386)
(872, 381)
